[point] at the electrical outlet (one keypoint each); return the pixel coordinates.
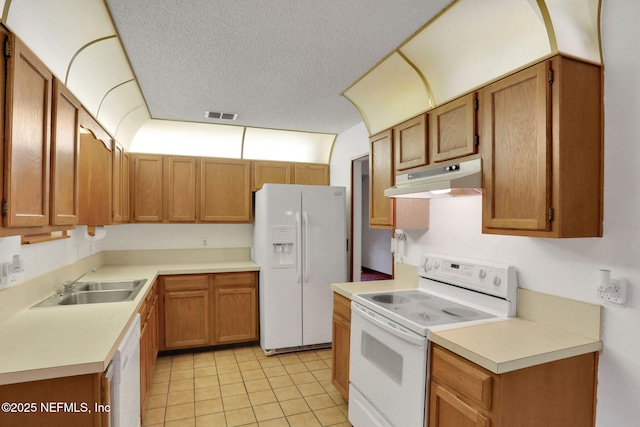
(615, 293)
(204, 242)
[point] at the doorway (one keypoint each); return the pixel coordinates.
(371, 257)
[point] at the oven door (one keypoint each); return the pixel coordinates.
(388, 368)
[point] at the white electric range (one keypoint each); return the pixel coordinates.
(389, 334)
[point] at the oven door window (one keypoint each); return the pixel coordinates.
(386, 359)
(389, 369)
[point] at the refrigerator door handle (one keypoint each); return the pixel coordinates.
(305, 255)
(298, 260)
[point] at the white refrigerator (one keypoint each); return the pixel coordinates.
(300, 244)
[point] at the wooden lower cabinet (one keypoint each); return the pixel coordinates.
(199, 310)
(148, 342)
(41, 403)
(341, 340)
(555, 394)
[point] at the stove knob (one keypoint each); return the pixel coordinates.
(496, 281)
(482, 274)
(429, 266)
(437, 265)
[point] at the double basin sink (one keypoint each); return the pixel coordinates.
(95, 292)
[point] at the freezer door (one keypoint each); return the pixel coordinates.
(277, 214)
(324, 258)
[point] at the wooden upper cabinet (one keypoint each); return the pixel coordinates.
(180, 188)
(65, 157)
(271, 173)
(126, 193)
(95, 181)
(117, 163)
(543, 151)
(381, 177)
(225, 193)
(311, 174)
(27, 138)
(517, 135)
(410, 140)
(453, 129)
(147, 188)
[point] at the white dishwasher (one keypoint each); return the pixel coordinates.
(125, 385)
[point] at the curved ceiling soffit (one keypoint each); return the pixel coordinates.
(79, 51)
(546, 16)
(110, 92)
(132, 129)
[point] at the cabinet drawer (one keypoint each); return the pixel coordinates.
(463, 376)
(248, 278)
(342, 306)
(189, 281)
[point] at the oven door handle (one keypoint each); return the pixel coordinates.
(416, 339)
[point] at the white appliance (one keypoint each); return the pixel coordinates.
(125, 384)
(389, 334)
(300, 245)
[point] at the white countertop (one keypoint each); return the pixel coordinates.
(59, 341)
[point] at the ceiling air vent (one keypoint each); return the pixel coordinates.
(224, 116)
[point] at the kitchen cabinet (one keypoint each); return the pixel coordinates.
(120, 173)
(27, 138)
(65, 156)
(225, 193)
(381, 177)
(341, 340)
(271, 173)
(96, 182)
(91, 390)
(542, 145)
(187, 302)
(179, 190)
(148, 342)
(311, 174)
(554, 394)
(411, 143)
(453, 129)
(199, 310)
(267, 172)
(147, 194)
(235, 314)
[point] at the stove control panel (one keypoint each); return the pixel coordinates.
(488, 278)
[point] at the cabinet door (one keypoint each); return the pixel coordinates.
(341, 337)
(516, 139)
(311, 174)
(453, 129)
(28, 138)
(225, 194)
(147, 188)
(381, 177)
(180, 189)
(187, 305)
(446, 410)
(116, 204)
(65, 156)
(411, 143)
(236, 308)
(270, 173)
(126, 202)
(95, 181)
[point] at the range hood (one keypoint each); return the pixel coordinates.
(457, 179)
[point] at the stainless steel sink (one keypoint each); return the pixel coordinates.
(109, 286)
(95, 292)
(93, 297)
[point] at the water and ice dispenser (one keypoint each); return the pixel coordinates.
(283, 238)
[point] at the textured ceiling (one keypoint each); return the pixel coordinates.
(278, 64)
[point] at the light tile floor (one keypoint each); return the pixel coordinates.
(243, 387)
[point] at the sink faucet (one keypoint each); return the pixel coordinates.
(67, 286)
